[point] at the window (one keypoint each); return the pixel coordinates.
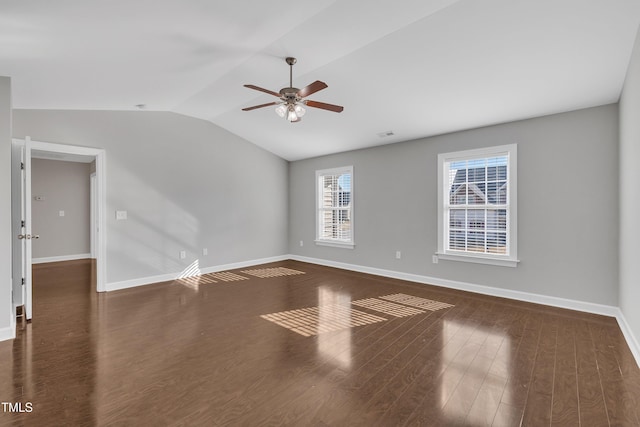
(477, 202)
(334, 202)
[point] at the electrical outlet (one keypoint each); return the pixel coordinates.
(301, 243)
(183, 254)
(121, 215)
(61, 213)
(205, 251)
(398, 254)
(434, 259)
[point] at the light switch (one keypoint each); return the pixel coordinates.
(121, 215)
(61, 213)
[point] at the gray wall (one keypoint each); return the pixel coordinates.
(185, 183)
(64, 187)
(567, 206)
(6, 305)
(629, 193)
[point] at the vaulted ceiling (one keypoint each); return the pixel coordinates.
(413, 67)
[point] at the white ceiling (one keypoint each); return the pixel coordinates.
(414, 67)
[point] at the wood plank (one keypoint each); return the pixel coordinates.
(564, 410)
(620, 400)
(590, 394)
(539, 399)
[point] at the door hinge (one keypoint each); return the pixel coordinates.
(23, 281)
(21, 223)
(22, 165)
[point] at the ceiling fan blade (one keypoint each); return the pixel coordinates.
(330, 107)
(312, 88)
(270, 92)
(259, 106)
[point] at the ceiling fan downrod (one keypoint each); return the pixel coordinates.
(291, 60)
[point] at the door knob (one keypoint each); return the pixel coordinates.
(28, 236)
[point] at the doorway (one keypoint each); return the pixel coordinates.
(23, 151)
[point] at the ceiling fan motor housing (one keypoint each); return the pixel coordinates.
(289, 94)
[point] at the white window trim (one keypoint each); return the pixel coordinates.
(350, 244)
(510, 260)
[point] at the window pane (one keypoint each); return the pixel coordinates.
(326, 224)
(458, 165)
(492, 173)
(475, 219)
(329, 182)
(497, 219)
(457, 240)
(457, 218)
(476, 174)
(476, 193)
(475, 241)
(502, 170)
(497, 243)
(476, 170)
(343, 224)
(326, 198)
(492, 193)
(502, 193)
(458, 194)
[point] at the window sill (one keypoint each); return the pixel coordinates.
(335, 244)
(479, 259)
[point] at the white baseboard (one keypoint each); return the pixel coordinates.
(8, 333)
(632, 342)
(42, 260)
(589, 307)
(114, 286)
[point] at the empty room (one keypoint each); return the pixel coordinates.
(328, 213)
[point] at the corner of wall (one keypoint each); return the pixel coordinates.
(629, 178)
(7, 324)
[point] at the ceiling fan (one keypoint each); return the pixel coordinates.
(292, 99)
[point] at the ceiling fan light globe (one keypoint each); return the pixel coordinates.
(281, 110)
(299, 109)
(291, 115)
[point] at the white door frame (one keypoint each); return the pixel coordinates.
(93, 210)
(101, 197)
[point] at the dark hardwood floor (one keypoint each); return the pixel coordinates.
(237, 350)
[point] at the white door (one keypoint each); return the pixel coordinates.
(17, 215)
(21, 225)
